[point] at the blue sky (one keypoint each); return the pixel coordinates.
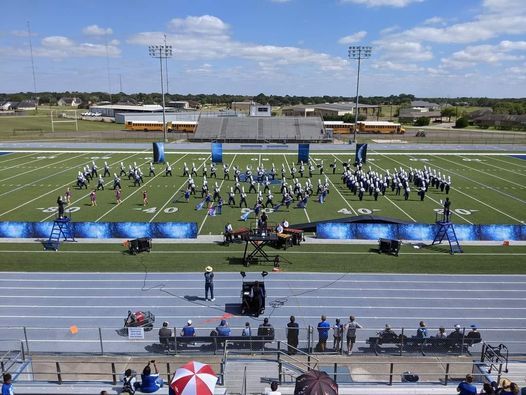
(429, 48)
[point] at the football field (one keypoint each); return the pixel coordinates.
(485, 188)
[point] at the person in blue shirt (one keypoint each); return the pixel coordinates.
(421, 332)
(323, 333)
(188, 329)
(150, 382)
(466, 388)
(223, 329)
(7, 387)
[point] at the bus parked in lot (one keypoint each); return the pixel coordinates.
(373, 127)
(155, 126)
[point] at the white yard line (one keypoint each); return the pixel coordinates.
(175, 193)
(21, 164)
(54, 190)
(206, 214)
(516, 164)
(86, 195)
(40, 168)
(488, 174)
(137, 189)
(469, 196)
(304, 209)
(478, 182)
(12, 159)
(429, 197)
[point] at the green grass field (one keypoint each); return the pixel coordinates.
(485, 189)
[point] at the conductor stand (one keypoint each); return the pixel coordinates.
(259, 240)
(446, 230)
(62, 230)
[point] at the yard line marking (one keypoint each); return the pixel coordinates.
(491, 175)
(24, 163)
(480, 183)
(83, 197)
(39, 168)
(52, 191)
(429, 197)
(15, 158)
(206, 214)
(471, 197)
(175, 193)
(138, 189)
(304, 209)
(516, 164)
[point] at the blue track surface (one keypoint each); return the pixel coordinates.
(497, 304)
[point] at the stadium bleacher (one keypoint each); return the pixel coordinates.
(261, 129)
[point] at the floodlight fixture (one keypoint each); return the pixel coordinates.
(161, 52)
(358, 52)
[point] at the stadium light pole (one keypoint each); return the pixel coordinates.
(358, 52)
(161, 52)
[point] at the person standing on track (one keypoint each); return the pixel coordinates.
(209, 283)
(350, 329)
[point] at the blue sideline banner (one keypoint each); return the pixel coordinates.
(464, 232)
(303, 153)
(217, 152)
(158, 152)
(361, 153)
(104, 230)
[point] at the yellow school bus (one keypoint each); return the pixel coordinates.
(156, 126)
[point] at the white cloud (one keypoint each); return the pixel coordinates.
(491, 54)
(95, 30)
(382, 3)
(22, 33)
(410, 50)
(205, 24)
(353, 38)
(436, 20)
(208, 37)
(57, 42)
(395, 66)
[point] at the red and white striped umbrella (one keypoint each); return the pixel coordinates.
(194, 378)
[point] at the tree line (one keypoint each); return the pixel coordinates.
(501, 106)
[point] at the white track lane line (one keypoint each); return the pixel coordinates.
(469, 196)
(175, 193)
(137, 189)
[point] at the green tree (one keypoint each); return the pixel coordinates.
(449, 112)
(461, 123)
(422, 121)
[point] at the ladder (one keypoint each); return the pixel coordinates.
(61, 229)
(446, 230)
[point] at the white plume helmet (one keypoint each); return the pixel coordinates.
(243, 189)
(217, 186)
(105, 163)
(167, 163)
(232, 189)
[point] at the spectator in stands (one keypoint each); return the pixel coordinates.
(474, 334)
(421, 332)
(387, 335)
(128, 382)
(274, 389)
(7, 387)
(223, 329)
(350, 329)
(466, 387)
(188, 329)
(323, 333)
(441, 334)
(337, 330)
(487, 389)
(506, 387)
(150, 382)
(104, 392)
(247, 330)
(292, 335)
(266, 329)
(456, 334)
(164, 334)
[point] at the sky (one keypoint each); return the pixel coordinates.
(429, 48)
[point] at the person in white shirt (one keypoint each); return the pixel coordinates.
(274, 389)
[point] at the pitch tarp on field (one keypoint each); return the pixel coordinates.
(104, 230)
(464, 232)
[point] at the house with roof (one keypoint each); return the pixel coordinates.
(69, 101)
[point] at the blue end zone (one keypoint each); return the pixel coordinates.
(5, 153)
(523, 157)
